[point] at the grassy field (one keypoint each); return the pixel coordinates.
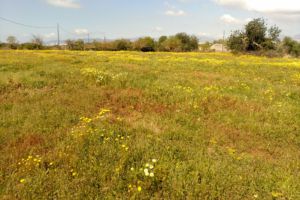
(130, 125)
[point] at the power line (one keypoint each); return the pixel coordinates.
(68, 32)
(26, 25)
(57, 27)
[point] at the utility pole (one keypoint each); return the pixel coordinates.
(58, 39)
(88, 37)
(223, 41)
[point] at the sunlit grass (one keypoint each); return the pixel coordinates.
(130, 125)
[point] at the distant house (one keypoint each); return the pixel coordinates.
(218, 48)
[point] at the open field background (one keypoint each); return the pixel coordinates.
(129, 125)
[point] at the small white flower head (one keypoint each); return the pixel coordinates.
(151, 166)
(151, 174)
(146, 171)
(147, 165)
(154, 160)
(132, 169)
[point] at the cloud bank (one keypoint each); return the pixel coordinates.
(64, 3)
(285, 7)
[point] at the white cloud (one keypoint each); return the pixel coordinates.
(81, 31)
(248, 19)
(228, 19)
(286, 7)
(64, 3)
(202, 34)
(49, 35)
(175, 13)
(158, 29)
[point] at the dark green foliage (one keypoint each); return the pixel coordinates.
(75, 45)
(179, 42)
(238, 41)
(171, 44)
(28, 45)
(161, 40)
(255, 37)
(188, 43)
(144, 44)
(256, 31)
(122, 45)
(274, 33)
(291, 46)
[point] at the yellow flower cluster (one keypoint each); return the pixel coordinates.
(232, 152)
(296, 77)
(211, 88)
(183, 88)
(85, 120)
(31, 161)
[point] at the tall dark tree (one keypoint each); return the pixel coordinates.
(255, 37)
(256, 31)
(189, 43)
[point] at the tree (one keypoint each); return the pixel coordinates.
(291, 46)
(238, 41)
(37, 41)
(161, 40)
(255, 31)
(255, 37)
(12, 42)
(122, 45)
(189, 43)
(75, 44)
(145, 44)
(274, 33)
(172, 44)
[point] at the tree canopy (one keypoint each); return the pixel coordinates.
(256, 36)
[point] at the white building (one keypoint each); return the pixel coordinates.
(219, 48)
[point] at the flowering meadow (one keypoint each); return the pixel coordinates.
(132, 125)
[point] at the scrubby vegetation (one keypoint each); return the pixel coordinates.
(291, 46)
(131, 125)
(180, 42)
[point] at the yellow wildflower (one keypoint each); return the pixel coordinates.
(139, 188)
(276, 194)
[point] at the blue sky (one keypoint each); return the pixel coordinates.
(134, 18)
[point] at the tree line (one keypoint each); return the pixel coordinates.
(256, 37)
(181, 42)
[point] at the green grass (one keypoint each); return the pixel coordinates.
(220, 126)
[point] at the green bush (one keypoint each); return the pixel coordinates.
(291, 46)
